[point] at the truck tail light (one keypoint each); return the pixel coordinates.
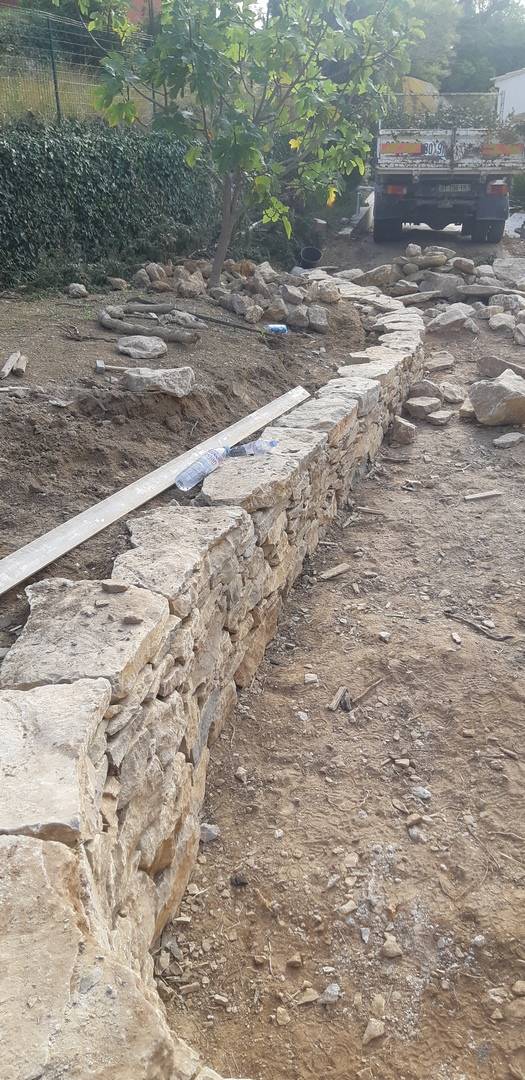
(497, 187)
(396, 189)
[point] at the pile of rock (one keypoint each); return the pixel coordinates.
(257, 292)
(453, 290)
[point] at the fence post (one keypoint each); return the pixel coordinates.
(54, 72)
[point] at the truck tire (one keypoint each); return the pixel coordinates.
(495, 231)
(391, 229)
(479, 232)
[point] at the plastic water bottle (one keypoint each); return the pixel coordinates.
(259, 446)
(276, 328)
(199, 469)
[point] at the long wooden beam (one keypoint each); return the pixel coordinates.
(31, 558)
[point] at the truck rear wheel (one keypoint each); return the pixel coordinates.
(495, 231)
(488, 232)
(389, 229)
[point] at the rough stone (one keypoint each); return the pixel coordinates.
(440, 361)
(324, 292)
(510, 302)
(464, 266)
(277, 311)
(292, 295)
(412, 251)
(466, 410)
(140, 347)
(391, 949)
(77, 291)
(510, 269)
(453, 394)
(519, 333)
(498, 401)
(297, 317)
(69, 1009)
(453, 318)
(266, 272)
(426, 388)
(402, 431)
(117, 283)
(420, 407)
(68, 636)
(504, 323)
(254, 314)
(318, 319)
(52, 760)
(141, 279)
(490, 366)
(506, 442)
(349, 275)
(445, 285)
(176, 382)
(380, 275)
(192, 287)
(430, 259)
(440, 417)
(155, 271)
(374, 1030)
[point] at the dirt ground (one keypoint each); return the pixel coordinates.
(76, 437)
(320, 818)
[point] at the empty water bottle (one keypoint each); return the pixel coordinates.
(259, 446)
(199, 469)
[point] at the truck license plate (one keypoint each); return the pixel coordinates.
(446, 188)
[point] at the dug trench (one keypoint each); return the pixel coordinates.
(402, 817)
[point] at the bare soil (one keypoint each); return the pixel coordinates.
(323, 815)
(78, 437)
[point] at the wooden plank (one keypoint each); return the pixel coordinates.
(479, 495)
(31, 558)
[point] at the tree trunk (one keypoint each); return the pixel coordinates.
(230, 216)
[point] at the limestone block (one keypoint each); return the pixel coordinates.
(79, 630)
(363, 389)
(499, 401)
(177, 551)
(333, 415)
(263, 632)
(172, 882)
(258, 483)
(52, 760)
(69, 1010)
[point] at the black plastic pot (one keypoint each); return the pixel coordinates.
(310, 257)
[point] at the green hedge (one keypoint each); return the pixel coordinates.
(84, 193)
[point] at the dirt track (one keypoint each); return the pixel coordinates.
(323, 817)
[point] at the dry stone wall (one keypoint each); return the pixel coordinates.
(110, 699)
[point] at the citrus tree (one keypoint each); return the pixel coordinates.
(278, 101)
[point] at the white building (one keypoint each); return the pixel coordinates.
(511, 89)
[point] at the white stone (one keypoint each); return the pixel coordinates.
(503, 323)
(453, 394)
(402, 431)
(512, 438)
(318, 319)
(176, 382)
(140, 347)
(77, 290)
(453, 318)
(77, 630)
(422, 406)
(499, 401)
(292, 295)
